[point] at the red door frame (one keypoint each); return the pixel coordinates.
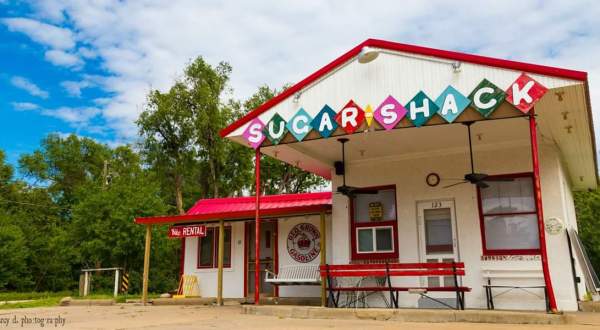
(540, 211)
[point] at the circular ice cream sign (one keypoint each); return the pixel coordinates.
(304, 242)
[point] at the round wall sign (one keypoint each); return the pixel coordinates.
(554, 226)
(304, 242)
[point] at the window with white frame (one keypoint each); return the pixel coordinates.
(374, 224)
(509, 216)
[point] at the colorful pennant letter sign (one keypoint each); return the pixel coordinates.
(324, 122)
(350, 117)
(421, 108)
(275, 129)
(451, 103)
(486, 97)
(389, 113)
(254, 133)
(299, 125)
(525, 92)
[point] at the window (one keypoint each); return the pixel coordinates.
(438, 231)
(208, 248)
(374, 225)
(509, 216)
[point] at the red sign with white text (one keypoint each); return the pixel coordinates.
(187, 231)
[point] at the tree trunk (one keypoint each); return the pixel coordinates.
(179, 193)
(213, 174)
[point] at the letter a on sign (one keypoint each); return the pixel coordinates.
(254, 133)
(451, 103)
(525, 92)
(389, 113)
(350, 117)
(324, 122)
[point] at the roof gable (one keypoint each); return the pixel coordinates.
(418, 50)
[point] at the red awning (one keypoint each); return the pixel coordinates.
(244, 208)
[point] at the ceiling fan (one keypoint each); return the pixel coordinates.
(340, 169)
(478, 179)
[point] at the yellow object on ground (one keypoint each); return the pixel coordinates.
(188, 287)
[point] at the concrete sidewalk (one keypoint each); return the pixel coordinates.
(410, 315)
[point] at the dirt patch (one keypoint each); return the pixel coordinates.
(130, 316)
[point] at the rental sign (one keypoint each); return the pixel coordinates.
(486, 97)
(187, 231)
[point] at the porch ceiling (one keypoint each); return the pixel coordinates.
(319, 155)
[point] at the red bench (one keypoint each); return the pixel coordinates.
(389, 270)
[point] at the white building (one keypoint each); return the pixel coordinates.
(404, 158)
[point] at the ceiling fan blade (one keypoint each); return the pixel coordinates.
(482, 184)
(500, 179)
(455, 184)
(365, 192)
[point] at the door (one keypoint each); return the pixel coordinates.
(437, 239)
(267, 257)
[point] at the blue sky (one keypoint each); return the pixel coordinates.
(84, 67)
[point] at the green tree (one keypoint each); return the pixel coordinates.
(180, 132)
(587, 206)
(278, 177)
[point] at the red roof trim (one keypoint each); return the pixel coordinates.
(249, 214)
(464, 57)
(244, 208)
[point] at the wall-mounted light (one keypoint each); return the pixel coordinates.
(367, 54)
(456, 66)
(296, 98)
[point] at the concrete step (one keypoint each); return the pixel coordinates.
(410, 315)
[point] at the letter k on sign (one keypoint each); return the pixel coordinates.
(525, 92)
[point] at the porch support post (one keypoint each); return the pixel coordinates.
(146, 265)
(540, 211)
(323, 241)
(220, 262)
(257, 231)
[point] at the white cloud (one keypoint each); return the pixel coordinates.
(62, 58)
(74, 88)
(28, 86)
(24, 106)
(76, 116)
(146, 44)
(43, 33)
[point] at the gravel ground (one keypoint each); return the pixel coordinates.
(128, 316)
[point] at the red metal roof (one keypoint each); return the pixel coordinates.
(244, 208)
(383, 44)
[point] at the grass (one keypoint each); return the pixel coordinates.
(4, 296)
(50, 299)
(42, 302)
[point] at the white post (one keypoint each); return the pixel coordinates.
(85, 284)
(116, 282)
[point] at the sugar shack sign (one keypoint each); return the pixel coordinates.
(485, 98)
(304, 242)
(187, 231)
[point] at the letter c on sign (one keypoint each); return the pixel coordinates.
(477, 98)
